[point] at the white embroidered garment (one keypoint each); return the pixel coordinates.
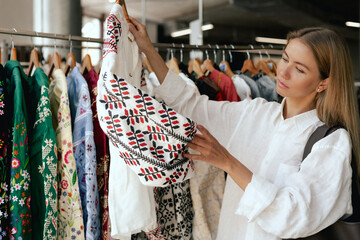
(147, 137)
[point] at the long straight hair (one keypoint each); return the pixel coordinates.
(338, 103)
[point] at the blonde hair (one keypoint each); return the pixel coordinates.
(338, 103)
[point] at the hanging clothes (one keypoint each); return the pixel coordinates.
(102, 155)
(255, 92)
(226, 85)
(147, 138)
(5, 155)
(241, 87)
(43, 157)
(20, 193)
(207, 190)
(84, 151)
(267, 87)
(70, 216)
(207, 87)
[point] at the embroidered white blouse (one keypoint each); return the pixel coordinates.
(285, 198)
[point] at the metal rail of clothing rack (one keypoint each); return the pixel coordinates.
(234, 48)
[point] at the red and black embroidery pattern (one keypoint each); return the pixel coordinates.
(113, 33)
(150, 136)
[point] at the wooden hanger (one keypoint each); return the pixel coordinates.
(207, 67)
(273, 65)
(70, 63)
(86, 64)
(194, 66)
(249, 66)
(13, 55)
(34, 61)
(123, 5)
(173, 65)
(55, 63)
(227, 70)
(264, 68)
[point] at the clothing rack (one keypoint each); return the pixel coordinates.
(233, 48)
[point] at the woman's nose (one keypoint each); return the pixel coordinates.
(284, 72)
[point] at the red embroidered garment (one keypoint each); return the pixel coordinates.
(102, 154)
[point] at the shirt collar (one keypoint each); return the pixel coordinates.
(301, 121)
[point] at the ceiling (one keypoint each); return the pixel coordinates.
(239, 21)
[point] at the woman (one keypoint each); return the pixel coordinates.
(271, 193)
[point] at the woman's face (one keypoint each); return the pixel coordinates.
(298, 75)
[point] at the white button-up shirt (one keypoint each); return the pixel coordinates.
(286, 198)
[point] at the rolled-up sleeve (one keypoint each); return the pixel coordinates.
(259, 194)
(304, 201)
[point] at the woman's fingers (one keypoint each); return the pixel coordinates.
(195, 156)
(204, 131)
(134, 21)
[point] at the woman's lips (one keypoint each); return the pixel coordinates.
(281, 84)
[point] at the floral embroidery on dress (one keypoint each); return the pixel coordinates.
(5, 157)
(84, 151)
(70, 214)
(20, 225)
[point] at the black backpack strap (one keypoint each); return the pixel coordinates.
(318, 134)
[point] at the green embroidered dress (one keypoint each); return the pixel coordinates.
(20, 212)
(43, 158)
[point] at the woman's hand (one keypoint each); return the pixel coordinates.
(145, 45)
(212, 152)
(141, 36)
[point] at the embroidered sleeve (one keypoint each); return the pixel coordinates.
(151, 137)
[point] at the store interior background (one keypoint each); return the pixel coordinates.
(236, 22)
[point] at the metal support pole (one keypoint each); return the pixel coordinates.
(201, 10)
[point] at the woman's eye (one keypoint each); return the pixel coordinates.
(299, 70)
(284, 59)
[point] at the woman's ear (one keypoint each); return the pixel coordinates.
(322, 86)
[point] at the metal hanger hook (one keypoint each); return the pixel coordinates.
(71, 46)
(171, 53)
(181, 53)
(230, 53)
(12, 39)
(173, 50)
(87, 45)
(267, 53)
(37, 34)
(55, 41)
(207, 54)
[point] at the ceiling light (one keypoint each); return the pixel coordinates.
(271, 40)
(188, 31)
(207, 27)
(352, 24)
